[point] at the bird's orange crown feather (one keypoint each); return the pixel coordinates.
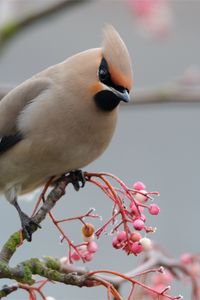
(116, 54)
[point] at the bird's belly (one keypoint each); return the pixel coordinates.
(32, 162)
(35, 167)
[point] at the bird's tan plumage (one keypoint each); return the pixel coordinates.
(117, 56)
(62, 127)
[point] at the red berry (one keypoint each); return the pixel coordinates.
(75, 256)
(89, 256)
(92, 247)
(115, 243)
(138, 224)
(139, 186)
(154, 209)
(136, 248)
(141, 197)
(121, 236)
(186, 258)
(135, 236)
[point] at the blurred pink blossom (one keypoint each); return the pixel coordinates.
(154, 17)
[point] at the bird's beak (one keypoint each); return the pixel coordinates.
(122, 95)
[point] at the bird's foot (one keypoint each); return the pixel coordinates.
(28, 226)
(77, 179)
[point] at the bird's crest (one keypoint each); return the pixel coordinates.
(117, 57)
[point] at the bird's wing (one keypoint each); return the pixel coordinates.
(13, 104)
(4, 90)
(7, 142)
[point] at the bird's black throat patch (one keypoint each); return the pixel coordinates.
(105, 76)
(106, 100)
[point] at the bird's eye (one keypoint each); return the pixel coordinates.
(103, 74)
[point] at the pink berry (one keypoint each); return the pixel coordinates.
(186, 258)
(154, 209)
(75, 256)
(115, 243)
(138, 224)
(136, 248)
(135, 236)
(92, 247)
(162, 278)
(139, 185)
(134, 209)
(89, 256)
(121, 236)
(141, 197)
(82, 249)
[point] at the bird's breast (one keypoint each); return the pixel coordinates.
(60, 145)
(87, 141)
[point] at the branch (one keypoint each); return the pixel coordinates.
(16, 239)
(54, 270)
(15, 26)
(6, 290)
(176, 93)
(61, 270)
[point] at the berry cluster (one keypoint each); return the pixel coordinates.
(88, 248)
(128, 219)
(130, 240)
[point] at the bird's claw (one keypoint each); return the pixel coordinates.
(28, 226)
(76, 178)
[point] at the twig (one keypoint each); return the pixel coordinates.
(56, 270)
(168, 94)
(53, 269)
(6, 290)
(174, 93)
(11, 29)
(14, 241)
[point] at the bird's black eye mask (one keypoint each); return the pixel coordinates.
(107, 100)
(105, 77)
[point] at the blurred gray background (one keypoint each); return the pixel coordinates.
(158, 144)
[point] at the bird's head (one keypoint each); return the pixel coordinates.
(114, 75)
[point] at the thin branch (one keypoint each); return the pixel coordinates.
(53, 269)
(174, 93)
(167, 94)
(15, 239)
(60, 270)
(10, 30)
(6, 290)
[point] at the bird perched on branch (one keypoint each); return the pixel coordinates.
(62, 118)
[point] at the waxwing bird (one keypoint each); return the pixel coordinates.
(62, 118)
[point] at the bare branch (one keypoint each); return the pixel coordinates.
(53, 269)
(15, 26)
(15, 239)
(167, 94)
(6, 290)
(61, 270)
(175, 93)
